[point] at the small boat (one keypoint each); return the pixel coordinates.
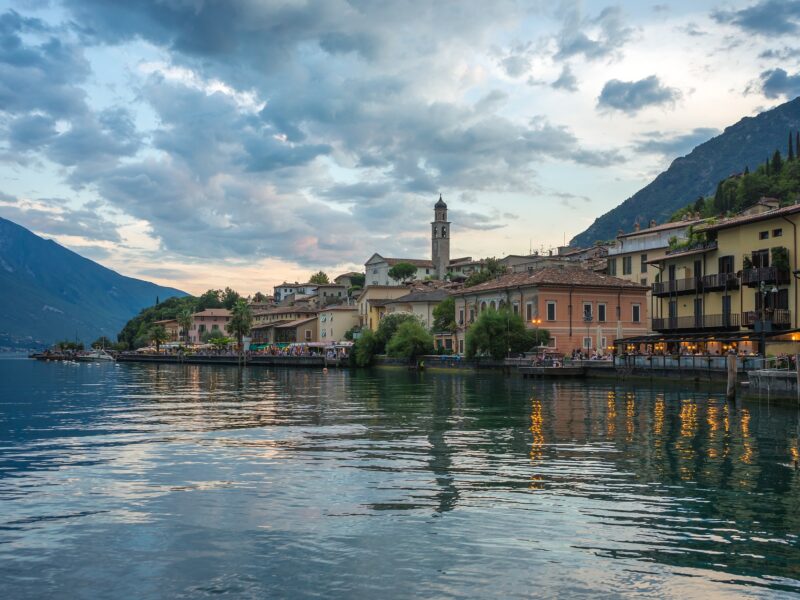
(97, 355)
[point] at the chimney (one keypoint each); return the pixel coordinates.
(636, 226)
(652, 222)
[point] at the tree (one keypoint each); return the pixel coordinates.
(777, 163)
(348, 335)
(210, 299)
(229, 298)
(791, 149)
(241, 321)
(158, 335)
(220, 341)
(358, 280)
(444, 315)
(259, 297)
(402, 271)
(492, 268)
(410, 341)
(102, 342)
(320, 278)
(364, 348)
(184, 319)
(498, 332)
(387, 328)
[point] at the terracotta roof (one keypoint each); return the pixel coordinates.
(348, 274)
(163, 321)
(556, 276)
(296, 323)
(338, 307)
(288, 309)
(268, 325)
(379, 301)
(414, 261)
(743, 219)
(213, 312)
(422, 296)
(662, 227)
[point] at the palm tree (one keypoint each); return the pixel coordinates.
(184, 319)
(241, 321)
(159, 335)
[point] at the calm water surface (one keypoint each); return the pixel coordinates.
(146, 481)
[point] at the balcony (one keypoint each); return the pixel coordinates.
(720, 281)
(781, 318)
(769, 275)
(676, 287)
(699, 322)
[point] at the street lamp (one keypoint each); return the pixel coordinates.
(536, 322)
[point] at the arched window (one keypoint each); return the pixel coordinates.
(434, 230)
(492, 305)
(483, 306)
(444, 231)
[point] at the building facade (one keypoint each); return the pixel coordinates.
(371, 303)
(214, 320)
(335, 321)
(582, 310)
(734, 281)
(420, 304)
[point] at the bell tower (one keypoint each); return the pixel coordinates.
(440, 239)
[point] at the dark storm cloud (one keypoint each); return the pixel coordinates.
(632, 96)
(672, 145)
(768, 17)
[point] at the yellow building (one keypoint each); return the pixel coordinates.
(632, 255)
(731, 286)
(372, 302)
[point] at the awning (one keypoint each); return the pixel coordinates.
(708, 336)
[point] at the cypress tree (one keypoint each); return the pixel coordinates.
(746, 170)
(766, 167)
(719, 200)
(777, 162)
(791, 150)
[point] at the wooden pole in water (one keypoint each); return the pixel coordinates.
(731, 393)
(797, 373)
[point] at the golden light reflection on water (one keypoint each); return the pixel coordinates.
(747, 439)
(629, 414)
(658, 416)
(611, 414)
(537, 442)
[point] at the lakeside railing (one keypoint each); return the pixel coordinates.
(693, 362)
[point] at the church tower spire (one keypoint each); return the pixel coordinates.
(440, 239)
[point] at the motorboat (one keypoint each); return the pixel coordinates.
(96, 355)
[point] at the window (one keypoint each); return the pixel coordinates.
(643, 264)
(551, 342)
(643, 281)
(374, 271)
(587, 311)
(603, 343)
(427, 271)
(461, 346)
(626, 265)
(551, 310)
(725, 264)
(472, 315)
(760, 259)
(516, 308)
(587, 343)
(777, 232)
(762, 235)
(308, 334)
(612, 266)
(637, 313)
(601, 313)
(461, 317)
(529, 311)
(483, 306)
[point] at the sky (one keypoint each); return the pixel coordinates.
(200, 143)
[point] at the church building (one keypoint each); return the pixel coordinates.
(439, 265)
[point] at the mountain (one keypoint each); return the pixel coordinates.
(748, 143)
(50, 293)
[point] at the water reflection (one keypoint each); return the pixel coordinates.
(440, 484)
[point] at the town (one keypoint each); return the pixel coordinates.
(690, 287)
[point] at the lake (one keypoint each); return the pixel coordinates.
(175, 481)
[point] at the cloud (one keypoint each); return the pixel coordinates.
(768, 17)
(672, 145)
(785, 53)
(632, 96)
(52, 216)
(593, 38)
(777, 82)
(566, 80)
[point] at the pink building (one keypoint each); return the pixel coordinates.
(211, 319)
